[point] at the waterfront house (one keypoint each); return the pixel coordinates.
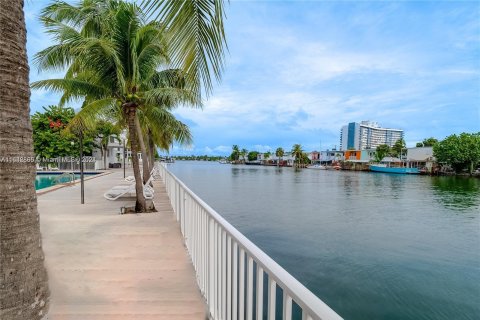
(287, 160)
(314, 156)
(114, 153)
(421, 157)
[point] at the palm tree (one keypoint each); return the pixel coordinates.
(161, 128)
(235, 152)
(244, 153)
(279, 153)
(297, 152)
(113, 59)
(23, 282)
(266, 156)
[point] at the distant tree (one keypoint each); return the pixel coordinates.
(279, 153)
(429, 142)
(267, 155)
(252, 155)
(297, 152)
(305, 158)
(381, 152)
(234, 156)
(243, 153)
(398, 147)
(461, 152)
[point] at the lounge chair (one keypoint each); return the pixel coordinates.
(154, 173)
(119, 191)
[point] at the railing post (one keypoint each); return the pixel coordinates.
(224, 275)
(229, 278)
(241, 293)
(235, 281)
(250, 289)
(287, 306)
(272, 295)
(211, 269)
(259, 292)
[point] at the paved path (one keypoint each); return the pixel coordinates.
(105, 266)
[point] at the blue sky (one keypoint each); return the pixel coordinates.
(298, 70)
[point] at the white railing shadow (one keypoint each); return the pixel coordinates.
(237, 279)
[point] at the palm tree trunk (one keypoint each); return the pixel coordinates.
(151, 146)
(24, 290)
(104, 158)
(143, 150)
(140, 205)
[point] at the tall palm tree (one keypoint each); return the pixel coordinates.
(297, 152)
(23, 279)
(112, 59)
(279, 153)
(235, 152)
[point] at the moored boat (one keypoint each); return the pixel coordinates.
(317, 167)
(389, 169)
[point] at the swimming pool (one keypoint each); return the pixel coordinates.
(45, 180)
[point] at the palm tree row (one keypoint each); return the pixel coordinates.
(89, 47)
(118, 63)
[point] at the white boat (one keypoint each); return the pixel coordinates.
(317, 167)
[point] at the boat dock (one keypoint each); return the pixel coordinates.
(103, 266)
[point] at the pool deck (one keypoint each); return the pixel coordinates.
(104, 266)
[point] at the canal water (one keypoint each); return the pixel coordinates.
(370, 245)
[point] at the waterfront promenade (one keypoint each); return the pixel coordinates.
(103, 265)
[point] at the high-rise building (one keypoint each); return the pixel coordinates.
(367, 135)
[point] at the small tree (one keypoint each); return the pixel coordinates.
(244, 153)
(51, 140)
(429, 142)
(267, 155)
(398, 148)
(279, 153)
(235, 153)
(381, 152)
(461, 152)
(252, 155)
(297, 152)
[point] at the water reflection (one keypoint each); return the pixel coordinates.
(457, 192)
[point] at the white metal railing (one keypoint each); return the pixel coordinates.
(231, 271)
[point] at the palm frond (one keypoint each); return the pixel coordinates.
(170, 97)
(85, 118)
(74, 88)
(197, 37)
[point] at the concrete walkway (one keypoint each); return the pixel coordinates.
(105, 266)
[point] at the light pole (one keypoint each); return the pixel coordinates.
(82, 186)
(71, 158)
(124, 156)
